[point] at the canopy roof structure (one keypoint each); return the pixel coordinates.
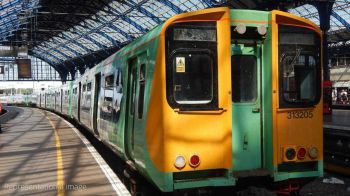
(72, 35)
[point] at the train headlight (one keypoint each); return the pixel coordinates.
(313, 152)
(180, 162)
(301, 153)
(241, 28)
(290, 154)
(262, 30)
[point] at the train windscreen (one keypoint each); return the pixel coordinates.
(192, 65)
(299, 66)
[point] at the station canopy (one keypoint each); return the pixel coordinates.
(72, 35)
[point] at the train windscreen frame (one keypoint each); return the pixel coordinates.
(299, 61)
(191, 66)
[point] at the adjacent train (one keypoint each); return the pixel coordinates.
(208, 97)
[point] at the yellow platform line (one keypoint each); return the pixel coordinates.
(60, 174)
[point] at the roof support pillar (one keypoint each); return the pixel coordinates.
(325, 10)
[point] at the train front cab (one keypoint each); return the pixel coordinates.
(236, 100)
(241, 97)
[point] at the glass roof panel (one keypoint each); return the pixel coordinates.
(341, 7)
(101, 39)
(120, 7)
(160, 10)
(92, 23)
(58, 55)
(143, 20)
(87, 43)
(67, 52)
(128, 28)
(189, 5)
(77, 48)
(117, 36)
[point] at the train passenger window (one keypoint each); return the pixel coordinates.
(192, 66)
(109, 81)
(299, 64)
(244, 78)
(88, 86)
(142, 81)
(117, 82)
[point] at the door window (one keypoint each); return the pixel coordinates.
(244, 78)
(142, 81)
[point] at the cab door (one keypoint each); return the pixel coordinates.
(246, 105)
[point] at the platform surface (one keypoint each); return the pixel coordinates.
(41, 154)
(338, 119)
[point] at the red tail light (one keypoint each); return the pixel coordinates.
(301, 153)
(194, 161)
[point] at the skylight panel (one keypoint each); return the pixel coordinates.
(143, 20)
(158, 9)
(119, 7)
(87, 43)
(101, 39)
(128, 28)
(115, 35)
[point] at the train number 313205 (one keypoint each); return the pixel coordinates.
(300, 114)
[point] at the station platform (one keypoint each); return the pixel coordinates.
(42, 154)
(338, 118)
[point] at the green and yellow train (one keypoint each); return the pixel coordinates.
(207, 98)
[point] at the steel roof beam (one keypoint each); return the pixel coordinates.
(51, 56)
(10, 23)
(66, 37)
(101, 46)
(340, 19)
(172, 6)
(210, 3)
(78, 55)
(143, 11)
(109, 38)
(12, 12)
(71, 50)
(10, 4)
(127, 19)
(51, 63)
(117, 29)
(105, 35)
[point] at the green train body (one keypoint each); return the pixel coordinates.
(126, 101)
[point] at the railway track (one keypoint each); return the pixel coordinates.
(337, 149)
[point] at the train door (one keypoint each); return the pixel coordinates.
(95, 113)
(61, 98)
(246, 105)
(79, 101)
(131, 97)
(135, 105)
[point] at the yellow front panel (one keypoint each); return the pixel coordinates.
(208, 133)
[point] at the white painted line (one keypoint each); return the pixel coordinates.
(117, 185)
